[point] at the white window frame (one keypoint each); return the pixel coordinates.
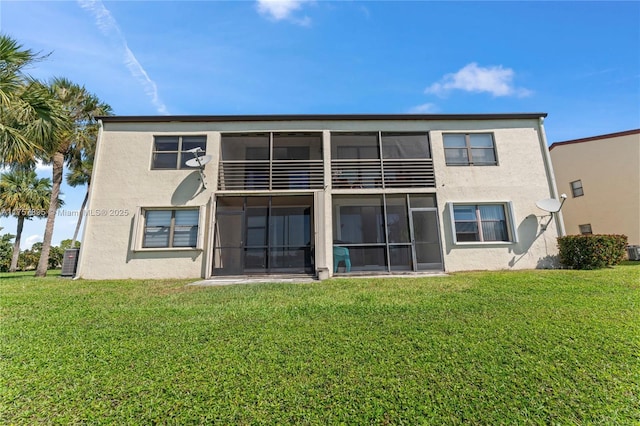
(509, 216)
(469, 148)
(179, 153)
(140, 222)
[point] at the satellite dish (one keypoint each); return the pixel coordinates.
(198, 161)
(550, 205)
(195, 150)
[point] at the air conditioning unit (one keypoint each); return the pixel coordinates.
(69, 263)
(633, 252)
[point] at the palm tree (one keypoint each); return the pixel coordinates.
(80, 174)
(81, 165)
(28, 114)
(69, 145)
(23, 195)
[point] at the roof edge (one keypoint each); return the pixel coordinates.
(595, 138)
(313, 117)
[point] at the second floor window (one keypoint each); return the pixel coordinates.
(172, 152)
(469, 149)
(576, 188)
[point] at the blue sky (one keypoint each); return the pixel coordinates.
(577, 61)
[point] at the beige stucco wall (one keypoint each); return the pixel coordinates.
(122, 183)
(609, 169)
(520, 178)
(123, 180)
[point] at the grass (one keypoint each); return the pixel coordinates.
(531, 347)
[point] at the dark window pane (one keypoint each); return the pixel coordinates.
(405, 145)
(462, 237)
(397, 220)
(495, 231)
(191, 142)
(228, 230)
(255, 260)
(228, 261)
(358, 219)
(297, 146)
(166, 143)
(354, 146)
(400, 258)
(367, 258)
(256, 227)
(165, 161)
(229, 204)
(290, 226)
(422, 200)
(242, 147)
(289, 258)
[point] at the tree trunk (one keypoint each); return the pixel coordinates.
(16, 245)
(80, 216)
(58, 166)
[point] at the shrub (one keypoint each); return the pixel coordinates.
(592, 251)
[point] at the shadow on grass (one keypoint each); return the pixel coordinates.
(29, 274)
(630, 263)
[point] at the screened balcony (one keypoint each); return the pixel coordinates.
(381, 160)
(271, 161)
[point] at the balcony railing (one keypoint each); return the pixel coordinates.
(308, 174)
(411, 173)
(265, 175)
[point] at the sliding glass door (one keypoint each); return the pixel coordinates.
(263, 235)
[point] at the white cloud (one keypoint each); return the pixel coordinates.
(427, 108)
(472, 78)
(32, 239)
(283, 10)
(41, 167)
(109, 27)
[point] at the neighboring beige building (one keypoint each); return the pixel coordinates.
(317, 195)
(601, 177)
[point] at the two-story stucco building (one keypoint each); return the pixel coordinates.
(601, 176)
(317, 194)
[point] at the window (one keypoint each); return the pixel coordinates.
(585, 229)
(469, 149)
(576, 188)
(482, 222)
(171, 152)
(170, 228)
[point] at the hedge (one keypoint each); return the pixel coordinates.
(591, 251)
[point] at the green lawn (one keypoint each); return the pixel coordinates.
(532, 347)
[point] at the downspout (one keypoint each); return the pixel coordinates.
(92, 189)
(551, 177)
